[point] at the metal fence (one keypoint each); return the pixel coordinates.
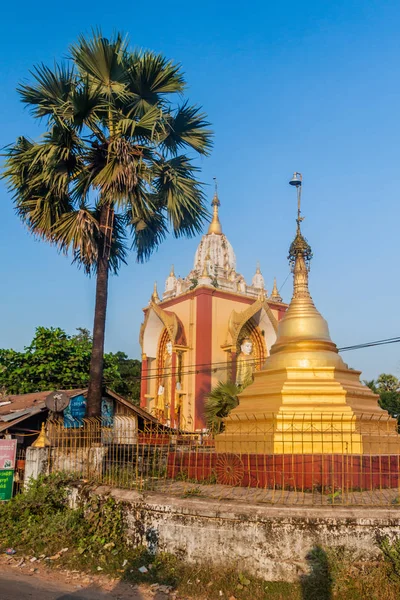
(281, 459)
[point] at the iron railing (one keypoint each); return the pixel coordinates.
(281, 459)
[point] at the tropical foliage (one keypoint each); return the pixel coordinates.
(219, 402)
(109, 172)
(55, 360)
(129, 370)
(388, 388)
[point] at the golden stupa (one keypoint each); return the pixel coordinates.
(306, 400)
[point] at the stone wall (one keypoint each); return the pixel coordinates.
(85, 461)
(271, 542)
(267, 541)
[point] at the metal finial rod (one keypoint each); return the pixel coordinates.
(297, 181)
(299, 217)
(215, 186)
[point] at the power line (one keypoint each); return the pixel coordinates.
(198, 368)
(225, 364)
(394, 340)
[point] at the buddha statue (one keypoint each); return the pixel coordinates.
(245, 363)
(164, 388)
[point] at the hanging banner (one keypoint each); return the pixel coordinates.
(75, 412)
(6, 484)
(8, 452)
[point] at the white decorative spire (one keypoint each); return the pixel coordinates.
(258, 279)
(170, 283)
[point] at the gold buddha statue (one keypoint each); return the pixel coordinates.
(245, 364)
(163, 405)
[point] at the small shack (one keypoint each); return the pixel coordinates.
(22, 415)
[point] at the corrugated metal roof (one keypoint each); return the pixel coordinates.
(22, 406)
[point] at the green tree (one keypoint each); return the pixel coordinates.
(110, 165)
(388, 388)
(372, 385)
(129, 370)
(387, 383)
(219, 402)
(53, 360)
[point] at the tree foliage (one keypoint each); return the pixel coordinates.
(55, 360)
(388, 388)
(129, 370)
(219, 402)
(111, 170)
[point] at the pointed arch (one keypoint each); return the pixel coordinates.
(156, 320)
(237, 320)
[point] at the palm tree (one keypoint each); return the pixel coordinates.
(110, 166)
(219, 402)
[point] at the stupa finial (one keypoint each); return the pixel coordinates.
(215, 225)
(155, 297)
(300, 253)
(275, 293)
(172, 272)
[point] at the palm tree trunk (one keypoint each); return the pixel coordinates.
(96, 362)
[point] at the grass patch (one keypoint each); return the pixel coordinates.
(40, 523)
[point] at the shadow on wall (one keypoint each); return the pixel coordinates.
(317, 584)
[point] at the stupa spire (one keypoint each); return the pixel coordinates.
(215, 225)
(275, 295)
(300, 253)
(155, 297)
(302, 321)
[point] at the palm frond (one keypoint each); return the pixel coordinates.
(119, 177)
(78, 231)
(187, 127)
(38, 199)
(102, 60)
(141, 128)
(151, 76)
(119, 248)
(85, 107)
(50, 90)
(148, 228)
(181, 195)
(219, 402)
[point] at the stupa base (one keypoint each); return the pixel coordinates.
(305, 472)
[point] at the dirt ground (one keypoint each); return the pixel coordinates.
(34, 581)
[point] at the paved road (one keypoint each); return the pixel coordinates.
(15, 585)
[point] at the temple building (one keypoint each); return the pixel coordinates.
(207, 327)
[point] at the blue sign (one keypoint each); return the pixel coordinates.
(75, 412)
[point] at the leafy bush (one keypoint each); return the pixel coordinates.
(391, 553)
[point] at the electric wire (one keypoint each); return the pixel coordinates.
(202, 368)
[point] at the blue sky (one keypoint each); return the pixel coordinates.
(307, 86)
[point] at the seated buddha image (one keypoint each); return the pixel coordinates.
(245, 364)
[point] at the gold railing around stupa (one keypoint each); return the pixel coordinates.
(299, 461)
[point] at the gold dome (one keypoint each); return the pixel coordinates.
(303, 337)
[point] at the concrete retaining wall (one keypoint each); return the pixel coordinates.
(270, 542)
